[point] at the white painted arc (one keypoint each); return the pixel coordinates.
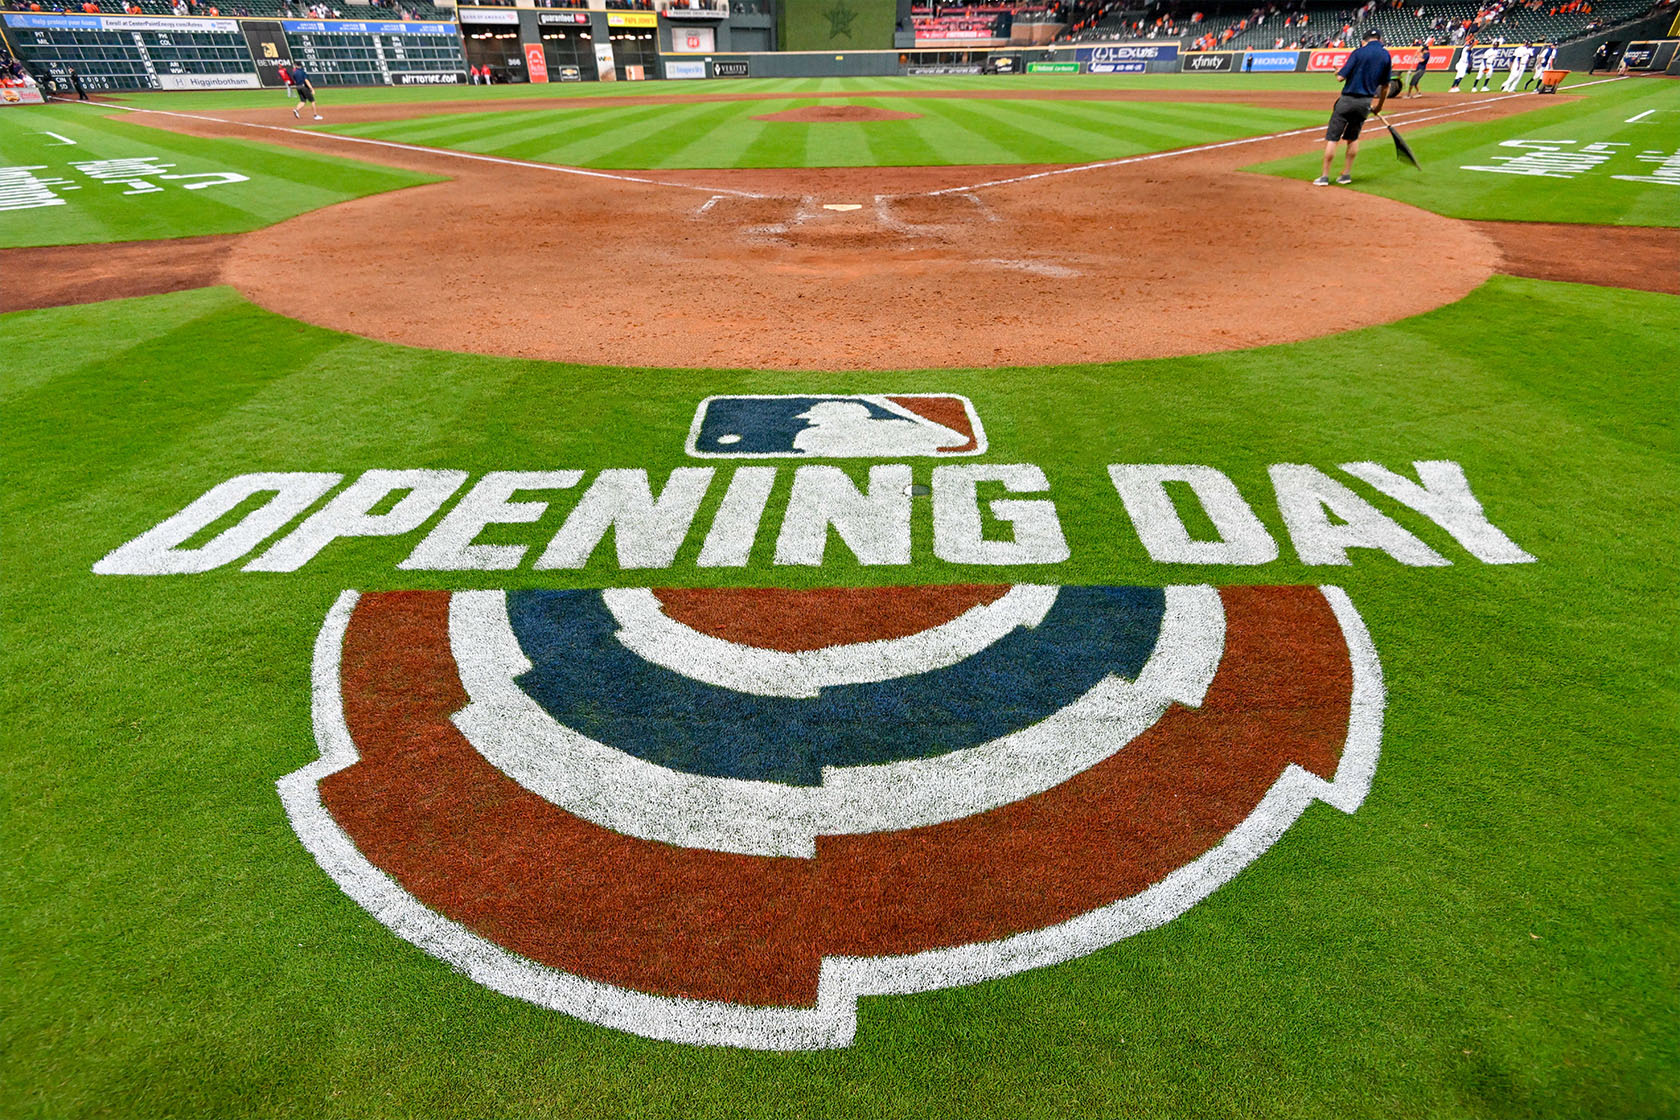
(646, 630)
(638, 798)
(832, 1022)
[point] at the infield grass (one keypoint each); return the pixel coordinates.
(1631, 119)
(730, 134)
(279, 183)
(1496, 932)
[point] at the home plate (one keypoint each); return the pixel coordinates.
(842, 206)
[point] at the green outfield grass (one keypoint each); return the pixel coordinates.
(280, 183)
(1493, 933)
(728, 134)
(1449, 153)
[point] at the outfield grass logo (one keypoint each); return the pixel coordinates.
(722, 816)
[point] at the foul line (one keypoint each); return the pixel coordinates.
(1215, 147)
(555, 167)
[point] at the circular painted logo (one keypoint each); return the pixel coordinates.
(722, 816)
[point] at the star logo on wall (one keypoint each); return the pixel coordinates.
(840, 20)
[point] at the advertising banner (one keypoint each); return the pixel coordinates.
(1206, 62)
(693, 40)
(550, 19)
(1405, 58)
(536, 66)
(208, 81)
(1270, 62)
(487, 16)
(932, 71)
(1052, 67)
(1639, 56)
(374, 27)
(731, 68)
(267, 44)
(21, 95)
(969, 30)
(685, 68)
(605, 68)
(632, 19)
(570, 73)
(1125, 58)
(430, 78)
(30, 20)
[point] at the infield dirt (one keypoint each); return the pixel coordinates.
(1164, 255)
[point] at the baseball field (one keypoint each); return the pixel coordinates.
(1219, 658)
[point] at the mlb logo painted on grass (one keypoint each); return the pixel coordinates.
(836, 426)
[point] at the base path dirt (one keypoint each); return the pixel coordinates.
(842, 268)
(1616, 256)
(64, 274)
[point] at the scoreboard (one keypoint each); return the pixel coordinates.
(157, 52)
(134, 52)
(341, 52)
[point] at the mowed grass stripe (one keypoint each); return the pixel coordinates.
(1154, 127)
(653, 147)
(776, 145)
(900, 147)
(576, 136)
(1023, 145)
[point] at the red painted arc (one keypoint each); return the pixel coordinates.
(474, 846)
(794, 621)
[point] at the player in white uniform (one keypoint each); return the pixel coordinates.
(1484, 69)
(1461, 69)
(1519, 63)
(1548, 55)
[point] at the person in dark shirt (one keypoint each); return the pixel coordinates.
(305, 91)
(1365, 75)
(1412, 89)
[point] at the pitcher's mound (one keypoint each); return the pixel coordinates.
(836, 114)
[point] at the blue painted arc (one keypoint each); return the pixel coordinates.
(587, 680)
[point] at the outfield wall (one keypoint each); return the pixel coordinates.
(523, 44)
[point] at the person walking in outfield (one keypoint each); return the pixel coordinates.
(1364, 75)
(1519, 63)
(305, 91)
(1484, 69)
(1417, 71)
(1548, 55)
(1462, 68)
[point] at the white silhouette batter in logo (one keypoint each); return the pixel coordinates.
(847, 428)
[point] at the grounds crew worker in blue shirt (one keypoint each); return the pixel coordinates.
(1364, 75)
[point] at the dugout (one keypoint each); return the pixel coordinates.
(568, 46)
(491, 38)
(634, 39)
